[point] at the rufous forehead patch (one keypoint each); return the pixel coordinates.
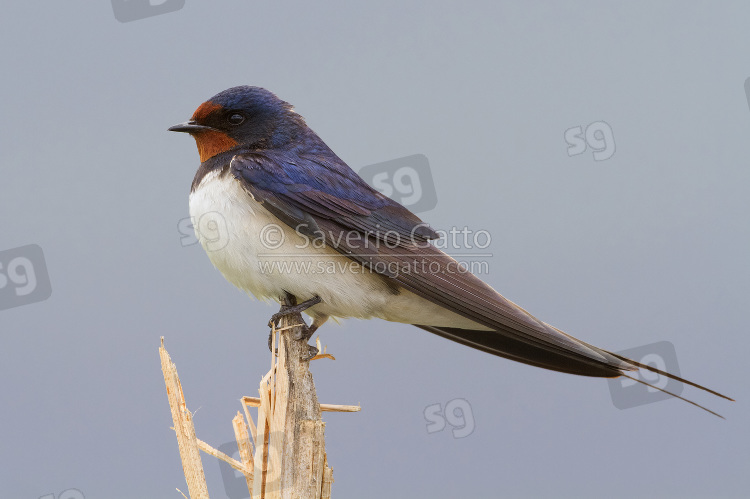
(204, 110)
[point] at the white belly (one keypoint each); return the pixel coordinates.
(261, 255)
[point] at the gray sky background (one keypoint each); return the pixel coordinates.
(649, 245)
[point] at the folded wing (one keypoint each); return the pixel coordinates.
(394, 242)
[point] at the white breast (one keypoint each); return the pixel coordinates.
(261, 255)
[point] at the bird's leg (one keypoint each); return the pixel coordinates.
(290, 306)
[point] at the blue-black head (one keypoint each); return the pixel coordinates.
(242, 117)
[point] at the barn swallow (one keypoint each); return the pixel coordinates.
(342, 249)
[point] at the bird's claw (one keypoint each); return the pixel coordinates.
(312, 353)
(290, 308)
(305, 332)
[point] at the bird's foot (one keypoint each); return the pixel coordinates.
(289, 308)
(302, 332)
(312, 352)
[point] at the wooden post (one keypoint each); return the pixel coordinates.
(304, 442)
(289, 459)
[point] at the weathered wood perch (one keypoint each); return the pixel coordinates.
(283, 456)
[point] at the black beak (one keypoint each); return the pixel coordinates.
(188, 127)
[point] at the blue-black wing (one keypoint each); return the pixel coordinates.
(318, 195)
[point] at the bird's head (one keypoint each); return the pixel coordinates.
(241, 118)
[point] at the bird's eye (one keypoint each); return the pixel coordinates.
(236, 119)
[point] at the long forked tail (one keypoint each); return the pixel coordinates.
(601, 364)
(676, 378)
(677, 396)
(672, 376)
